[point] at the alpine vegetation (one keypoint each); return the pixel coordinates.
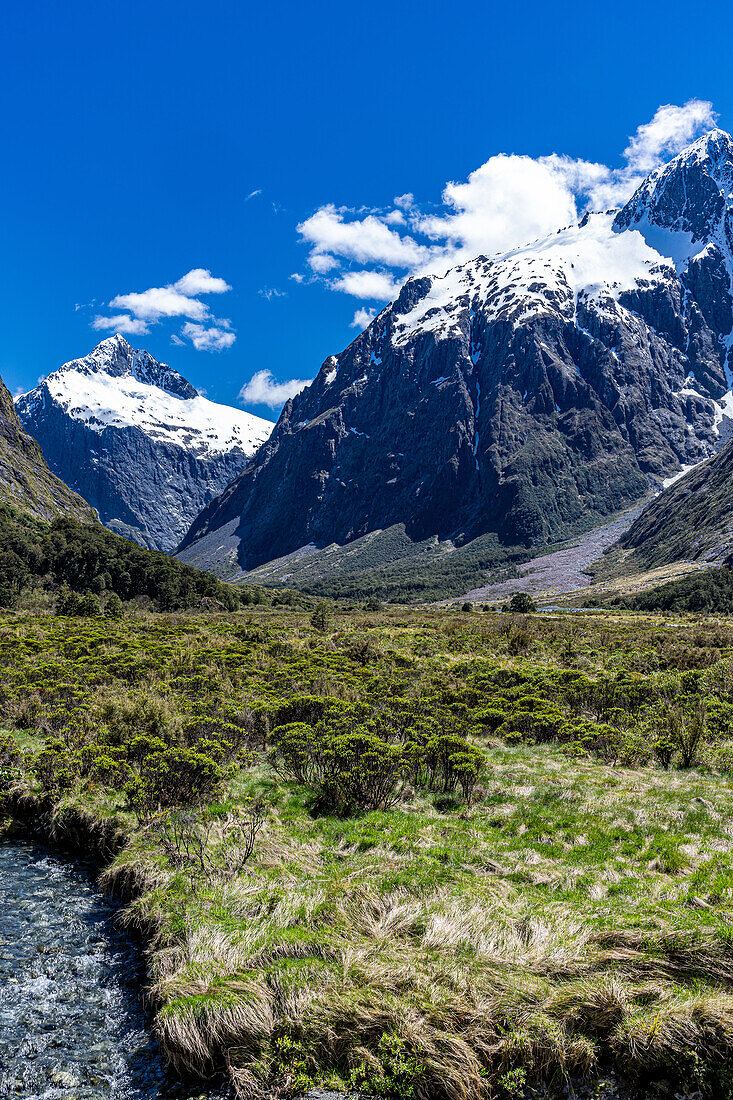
(416, 854)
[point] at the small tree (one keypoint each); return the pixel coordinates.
(320, 618)
(521, 603)
(113, 607)
(691, 734)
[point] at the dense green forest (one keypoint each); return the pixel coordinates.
(88, 559)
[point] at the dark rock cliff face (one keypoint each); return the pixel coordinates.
(25, 480)
(104, 423)
(506, 397)
(142, 489)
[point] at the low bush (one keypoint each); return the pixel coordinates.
(176, 777)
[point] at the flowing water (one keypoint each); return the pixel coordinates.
(72, 1022)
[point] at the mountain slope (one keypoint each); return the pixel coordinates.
(26, 482)
(523, 394)
(137, 441)
(691, 520)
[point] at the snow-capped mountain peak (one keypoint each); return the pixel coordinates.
(135, 438)
(688, 202)
(117, 386)
(516, 394)
(543, 277)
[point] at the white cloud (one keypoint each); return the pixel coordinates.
(262, 389)
(671, 129)
(271, 292)
(208, 339)
(366, 240)
(378, 285)
(160, 301)
(253, 194)
(201, 281)
(123, 323)
(296, 277)
(362, 318)
(507, 202)
(180, 299)
(321, 262)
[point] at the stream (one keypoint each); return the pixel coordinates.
(72, 1022)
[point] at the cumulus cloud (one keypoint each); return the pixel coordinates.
(160, 301)
(208, 339)
(262, 389)
(366, 240)
(123, 323)
(375, 285)
(497, 208)
(180, 299)
(508, 201)
(201, 281)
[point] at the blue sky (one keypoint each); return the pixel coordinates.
(145, 143)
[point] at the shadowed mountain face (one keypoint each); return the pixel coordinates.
(25, 480)
(520, 394)
(692, 520)
(137, 440)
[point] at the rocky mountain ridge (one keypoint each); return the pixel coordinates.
(137, 441)
(520, 394)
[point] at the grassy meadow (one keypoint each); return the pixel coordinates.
(415, 853)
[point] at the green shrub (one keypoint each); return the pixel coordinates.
(53, 767)
(320, 618)
(176, 777)
(109, 770)
(394, 1074)
(296, 753)
(359, 772)
(86, 605)
(489, 718)
(113, 607)
(520, 603)
(144, 745)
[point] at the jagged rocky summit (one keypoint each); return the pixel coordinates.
(137, 441)
(521, 394)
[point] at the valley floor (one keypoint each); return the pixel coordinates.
(519, 875)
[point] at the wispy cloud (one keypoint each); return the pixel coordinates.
(180, 299)
(268, 293)
(263, 389)
(506, 202)
(362, 318)
(254, 194)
